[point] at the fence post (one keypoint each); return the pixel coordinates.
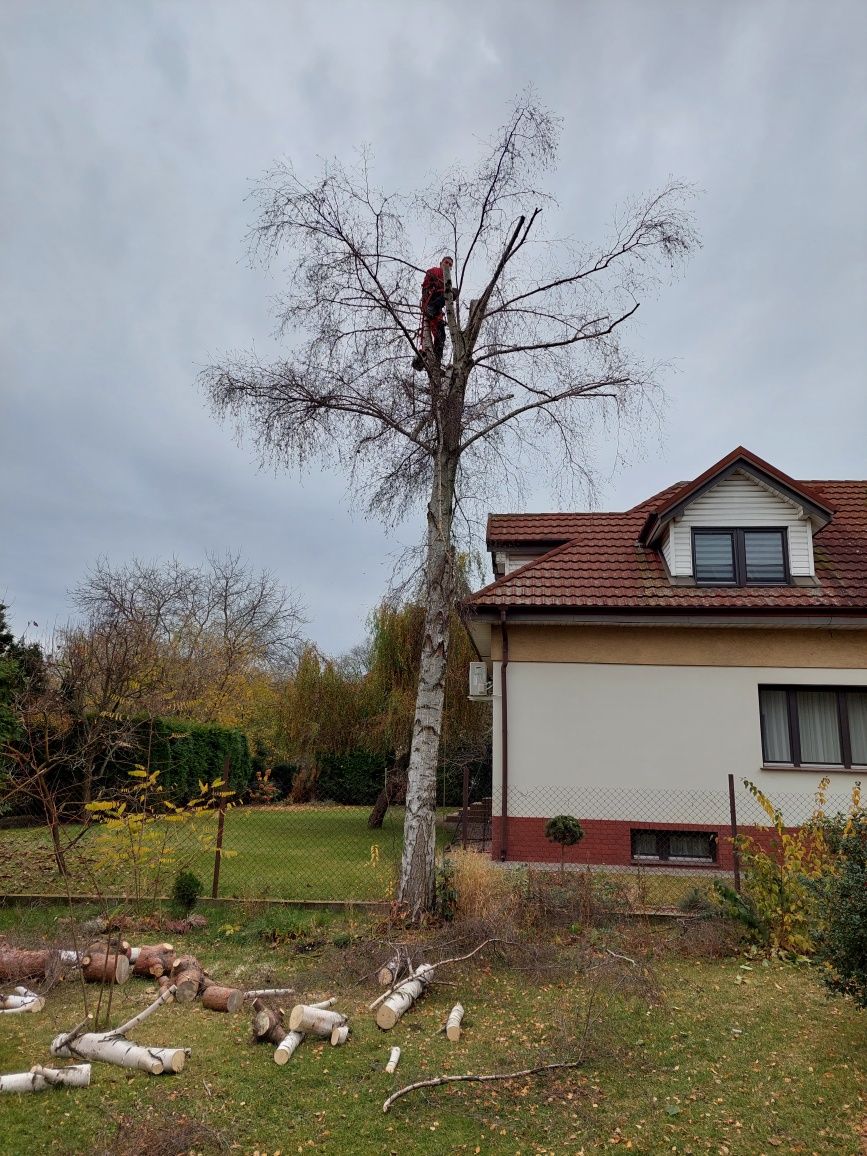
(221, 819)
(733, 813)
(466, 804)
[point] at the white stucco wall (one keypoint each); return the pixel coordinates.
(652, 743)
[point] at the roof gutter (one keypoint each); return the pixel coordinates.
(504, 739)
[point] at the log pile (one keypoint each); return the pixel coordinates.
(270, 1026)
(190, 980)
(152, 961)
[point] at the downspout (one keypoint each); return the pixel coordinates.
(504, 740)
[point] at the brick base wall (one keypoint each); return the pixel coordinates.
(608, 842)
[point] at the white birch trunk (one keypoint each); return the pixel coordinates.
(21, 1000)
(416, 887)
(39, 1079)
(453, 1023)
(287, 1046)
(320, 1021)
(393, 1058)
(111, 1050)
(390, 1011)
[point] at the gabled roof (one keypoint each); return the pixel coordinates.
(739, 459)
(606, 567)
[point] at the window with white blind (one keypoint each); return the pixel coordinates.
(740, 557)
(813, 725)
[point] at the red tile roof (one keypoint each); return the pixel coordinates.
(603, 567)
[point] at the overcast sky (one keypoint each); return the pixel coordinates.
(130, 132)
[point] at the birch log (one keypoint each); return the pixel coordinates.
(21, 1000)
(319, 1021)
(39, 1079)
(392, 1008)
(393, 1057)
(391, 972)
(287, 1046)
(453, 1023)
(339, 1035)
(268, 991)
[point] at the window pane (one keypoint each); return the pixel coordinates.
(857, 703)
(764, 556)
(776, 747)
(714, 557)
(689, 845)
(644, 845)
(819, 726)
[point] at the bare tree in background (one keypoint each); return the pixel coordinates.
(532, 358)
(195, 632)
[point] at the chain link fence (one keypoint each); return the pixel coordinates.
(663, 847)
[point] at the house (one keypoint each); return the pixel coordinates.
(638, 659)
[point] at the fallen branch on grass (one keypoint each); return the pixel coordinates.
(21, 1000)
(438, 1080)
(112, 1047)
(39, 1079)
(413, 973)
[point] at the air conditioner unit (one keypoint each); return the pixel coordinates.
(480, 687)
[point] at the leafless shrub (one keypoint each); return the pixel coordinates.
(158, 1135)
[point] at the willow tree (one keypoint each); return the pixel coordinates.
(535, 325)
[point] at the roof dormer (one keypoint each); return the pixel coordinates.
(742, 523)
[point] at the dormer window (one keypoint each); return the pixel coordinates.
(740, 557)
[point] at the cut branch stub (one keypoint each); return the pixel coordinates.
(318, 1021)
(400, 1000)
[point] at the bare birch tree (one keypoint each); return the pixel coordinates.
(532, 357)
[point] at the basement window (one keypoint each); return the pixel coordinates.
(674, 846)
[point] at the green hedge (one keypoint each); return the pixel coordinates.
(185, 754)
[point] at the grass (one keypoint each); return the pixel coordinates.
(733, 1057)
(314, 852)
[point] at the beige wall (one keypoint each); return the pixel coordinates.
(646, 742)
(686, 646)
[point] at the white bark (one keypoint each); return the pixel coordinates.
(287, 1046)
(164, 997)
(111, 1050)
(269, 991)
(404, 997)
(39, 1079)
(339, 1035)
(393, 1058)
(21, 1000)
(391, 972)
(320, 1021)
(416, 887)
(453, 1023)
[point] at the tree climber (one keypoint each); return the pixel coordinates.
(433, 299)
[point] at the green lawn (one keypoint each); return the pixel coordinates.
(315, 852)
(734, 1058)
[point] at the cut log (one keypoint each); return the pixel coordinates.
(39, 1079)
(188, 976)
(319, 1021)
(269, 991)
(400, 1000)
(155, 960)
(103, 968)
(453, 1023)
(223, 999)
(287, 1046)
(267, 1023)
(391, 972)
(21, 1000)
(393, 1057)
(339, 1035)
(18, 964)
